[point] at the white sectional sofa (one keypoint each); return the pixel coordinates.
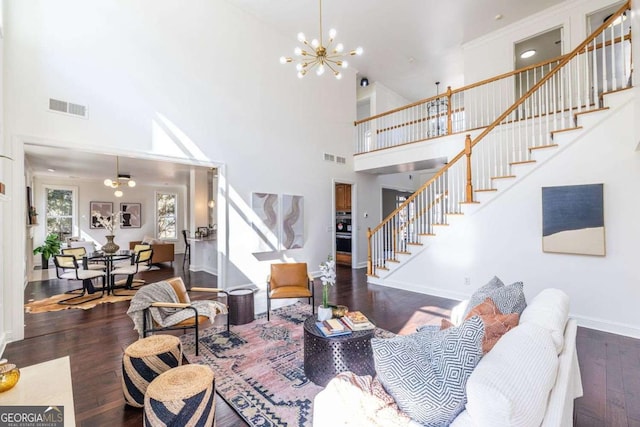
(530, 378)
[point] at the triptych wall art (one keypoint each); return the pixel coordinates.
(573, 219)
(278, 221)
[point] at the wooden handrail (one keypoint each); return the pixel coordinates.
(469, 145)
(422, 212)
(419, 190)
(564, 61)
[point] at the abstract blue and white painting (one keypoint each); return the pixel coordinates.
(573, 219)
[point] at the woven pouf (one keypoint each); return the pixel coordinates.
(182, 396)
(144, 360)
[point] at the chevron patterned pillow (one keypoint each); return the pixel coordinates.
(426, 372)
(509, 299)
(482, 293)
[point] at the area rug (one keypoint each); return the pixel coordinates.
(51, 303)
(259, 367)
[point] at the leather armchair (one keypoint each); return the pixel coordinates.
(289, 281)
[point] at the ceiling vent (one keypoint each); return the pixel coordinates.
(341, 160)
(70, 108)
(329, 157)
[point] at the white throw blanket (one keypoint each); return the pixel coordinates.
(163, 292)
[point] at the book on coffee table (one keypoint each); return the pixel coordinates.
(356, 321)
(331, 333)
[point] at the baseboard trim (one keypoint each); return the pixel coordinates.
(607, 326)
(420, 289)
(204, 268)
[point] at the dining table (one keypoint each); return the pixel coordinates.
(108, 259)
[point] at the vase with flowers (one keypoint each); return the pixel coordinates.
(328, 278)
(109, 223)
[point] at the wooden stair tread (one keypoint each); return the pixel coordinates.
(595, 110)
(456, 213)
(554, 132)
(414, 243)
(602, 95)
(503, 177)
(482, 190)
(470, 203)
(403, 253)
(541, 147)
(426, 234)
(392, 260)
(382, 268)
(523, 162)
(373, 275)
(441, 225)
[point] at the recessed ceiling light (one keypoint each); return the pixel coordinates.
(498, 17)
(51, 170)
(528, 53)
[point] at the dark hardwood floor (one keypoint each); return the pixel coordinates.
(95, 340)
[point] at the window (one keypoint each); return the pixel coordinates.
(60, 211)
(166, 216)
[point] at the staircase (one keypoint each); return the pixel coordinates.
(560, 104)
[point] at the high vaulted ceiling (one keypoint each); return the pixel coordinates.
(408, 44)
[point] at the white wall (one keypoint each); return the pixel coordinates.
(89, 191)
(504, 237)
(198, 81)
(493, 54)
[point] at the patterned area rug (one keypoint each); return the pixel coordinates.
(51, 303)
(259, 367)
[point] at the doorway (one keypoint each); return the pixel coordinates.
(344, 226)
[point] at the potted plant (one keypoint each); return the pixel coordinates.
(328, 278)
(50, 247)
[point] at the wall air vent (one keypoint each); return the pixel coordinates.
(341, 160)
(70, 108)
(329, 157)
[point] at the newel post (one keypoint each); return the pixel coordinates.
(449, 112)
(369, 262)
(467, 151)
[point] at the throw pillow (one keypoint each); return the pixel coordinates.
(426, 372)
(549, 309)
(510, 299)
(482, 293)
(496, 324)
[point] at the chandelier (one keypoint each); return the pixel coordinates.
(317, 55)
(437, 111)
(121, 180)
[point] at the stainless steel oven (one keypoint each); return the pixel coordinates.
(343, 242)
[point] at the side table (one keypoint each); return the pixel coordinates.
(241, 307)
(326, 357)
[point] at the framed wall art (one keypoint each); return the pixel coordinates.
(265, 221)
(105, 209)
(131, 216)
(292, 222)
(573, 219)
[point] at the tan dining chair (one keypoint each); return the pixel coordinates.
(291, 280)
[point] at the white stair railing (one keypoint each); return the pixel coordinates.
(573, 84)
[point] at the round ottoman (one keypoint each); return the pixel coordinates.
(182, 396)
(144, 360)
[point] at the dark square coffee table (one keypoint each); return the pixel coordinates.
(326, 357)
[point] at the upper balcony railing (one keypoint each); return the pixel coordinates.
(478, 105)
(548, 97)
